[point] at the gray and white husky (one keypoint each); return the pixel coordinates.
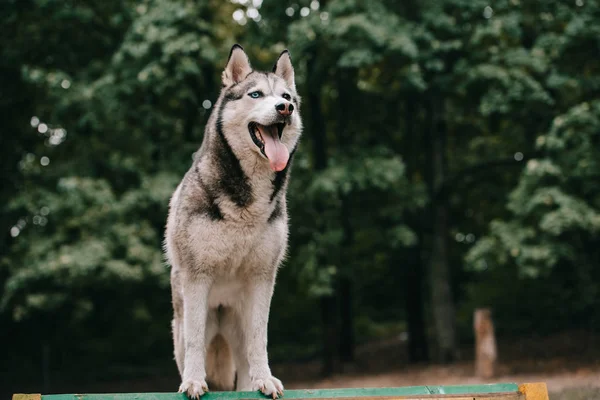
(227, 230)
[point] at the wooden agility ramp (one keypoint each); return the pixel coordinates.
(500, 391)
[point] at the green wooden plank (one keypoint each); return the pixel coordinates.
(303, 394)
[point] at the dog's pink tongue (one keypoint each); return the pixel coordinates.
(276, 151)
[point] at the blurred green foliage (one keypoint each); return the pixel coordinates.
(104, 103)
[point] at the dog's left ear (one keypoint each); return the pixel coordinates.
(283, 68)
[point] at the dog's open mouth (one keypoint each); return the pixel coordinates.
(268, 139)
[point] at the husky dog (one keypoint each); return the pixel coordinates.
(227, 230)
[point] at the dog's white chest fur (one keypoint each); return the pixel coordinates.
(226, 292)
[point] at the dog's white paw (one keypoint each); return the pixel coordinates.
(269, 386)
(194, 389)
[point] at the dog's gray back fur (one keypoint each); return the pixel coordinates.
(227, 234)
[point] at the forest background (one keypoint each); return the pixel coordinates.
(450, 161)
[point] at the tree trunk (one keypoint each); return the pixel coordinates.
(328, 318)
(442, 302)
(414, 272)
(415, 318)
(316, 127)
(485, 343)
(316, 122)
(346, 350)
(346, 321)
(412, 141)
(46, 366)
(344, 81)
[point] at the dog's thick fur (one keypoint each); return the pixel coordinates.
(227, 232)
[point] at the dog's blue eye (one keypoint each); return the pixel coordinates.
(255, 95)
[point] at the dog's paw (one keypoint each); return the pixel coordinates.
(194, 389)
(269, 386)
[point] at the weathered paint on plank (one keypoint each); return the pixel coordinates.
(157, 396)
(340, 394)
(144, 396)
(503, 391)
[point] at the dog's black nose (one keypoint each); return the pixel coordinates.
(284, 108)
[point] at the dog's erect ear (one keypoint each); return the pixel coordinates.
(238, 66)
(283, 68)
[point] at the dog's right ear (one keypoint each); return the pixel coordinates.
(238, 66)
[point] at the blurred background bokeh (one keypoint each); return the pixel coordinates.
(450, 161)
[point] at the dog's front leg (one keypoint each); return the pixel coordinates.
(195, 311)
(256, 318)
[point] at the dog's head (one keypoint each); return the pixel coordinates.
(260, 112)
